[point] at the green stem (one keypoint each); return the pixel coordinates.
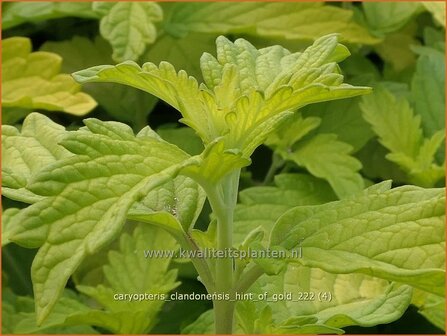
(223, 198)
(248, 278)
(277, 162)
(200, 264)
(286, 168)
(223, 317)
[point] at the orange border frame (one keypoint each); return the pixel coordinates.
(1, 38)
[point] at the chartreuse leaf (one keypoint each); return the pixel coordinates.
(247, 92)
(326, 157)
(373, 301)
(91, 192)
(399, 130)
(262, 206)
(177, 89)
(303, 21)
(395, 235)
(290, 133)
(202, 326)
(428, 91)
(31, 80)
(322, 154)
(327, 300)
(128, 26)
(7, 215)
(431, 306)
(288, 81)
(27, 152)
(123, 103)
(174, 205)
(376, 109)
(16, 13)
(391, 16)
(129, 271)
(19, 316)
(215, 164)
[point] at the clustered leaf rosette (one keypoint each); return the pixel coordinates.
(247, 93)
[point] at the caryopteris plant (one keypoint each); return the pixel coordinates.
(83, 185)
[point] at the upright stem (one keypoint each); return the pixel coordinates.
(277, 162)
(248, 278)
(199, 263)
(223, 317)
(223, 198)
